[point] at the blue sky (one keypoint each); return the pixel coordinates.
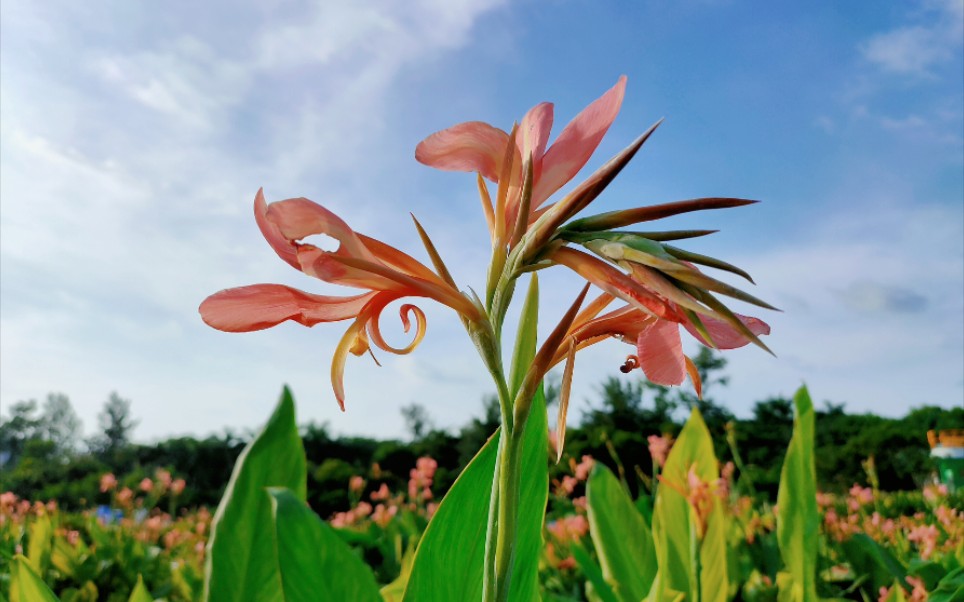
(133, 141)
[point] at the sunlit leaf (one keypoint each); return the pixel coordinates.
(241, 563)
(26, 585)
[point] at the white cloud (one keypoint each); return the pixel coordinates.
(914, 49)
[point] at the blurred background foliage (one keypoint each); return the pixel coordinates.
(42, 454)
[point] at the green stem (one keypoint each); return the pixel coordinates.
(503, 518)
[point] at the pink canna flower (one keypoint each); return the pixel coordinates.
(505, 157)
(177, 487)
(146, 485)
(584, 468)
(107, 482)
(361, 262)
(381, 494)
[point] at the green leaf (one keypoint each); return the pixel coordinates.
(950, 588)
(449, 558)
(241, 562)
(140, 593)
(867, 557)
(896, 594)
(600, 587)
(40, 543)
(525, 343)
(395, 591)
(798, 521)
(315, 564)
(696, 572)
(620, 535)
(26, 585)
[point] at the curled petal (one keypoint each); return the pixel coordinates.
(285, 249)
(471, 146)
(660, 353)
(403, 312)
(328, 266)
(260, 306)
(355, 341)
(299, 218)
(577, 142)
(724, 335)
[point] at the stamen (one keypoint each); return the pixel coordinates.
(632, 362)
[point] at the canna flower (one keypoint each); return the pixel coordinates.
(361, 262)
(509, 159)
(146, 485)
(356, 484)
(177, 487)
(107, 482)
(659, 446)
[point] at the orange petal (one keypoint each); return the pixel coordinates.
(403, 312)
(535, 129)
(577, 142)
(694, 376)
(355, 341)
(564, 391)
(261, 306)
(660, 353)
(471, 146)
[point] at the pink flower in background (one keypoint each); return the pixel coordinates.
(383, 515)
(579, 503)
(382, 494)
(177, 487)
(356, 484)
(584, 468)
(73, 537)
(163, 479)
(569, 528)
(107, 482)
(659, 446)
(125, 496)
(925, 536)
(860, 496)
(935, 492)
(146, 485)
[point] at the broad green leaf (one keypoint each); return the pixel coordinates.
(315, 563)
(867, 557)
(950, 588)
(40, 543)
(241, 563)
(449, 558)
(696, 570)
(798, 521)
(620, 535)
(26, 585)
(601, 589)
(140, 593)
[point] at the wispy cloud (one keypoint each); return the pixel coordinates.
(914, 49)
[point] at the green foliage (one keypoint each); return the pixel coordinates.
(242, 552)
(313, 562)
(621, 537)
(26, 585)
(797, 520)
(448, 562)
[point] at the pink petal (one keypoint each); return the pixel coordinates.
(470, 146)
(577, 142)
(534, 132)
(725, 336)
(282, 246)
(261, 306)
(299, 218)
(660, 353)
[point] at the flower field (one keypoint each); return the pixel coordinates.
(597, 542)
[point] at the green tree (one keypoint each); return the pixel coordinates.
(60, 425)
(116, 425)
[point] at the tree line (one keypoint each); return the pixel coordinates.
(42, 455)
